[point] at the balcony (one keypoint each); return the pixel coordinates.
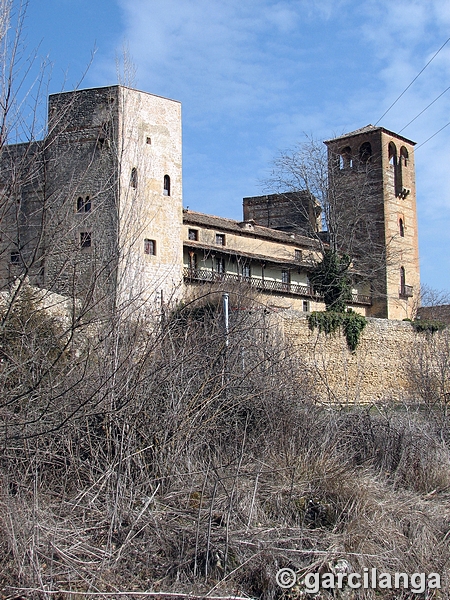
(264, 285)
(406, 291)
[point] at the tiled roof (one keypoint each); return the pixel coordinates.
(250, 255)
(368, 129)
(246, 228)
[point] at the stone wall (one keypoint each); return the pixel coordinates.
(379, 369)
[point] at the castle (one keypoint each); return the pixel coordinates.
(95, 211)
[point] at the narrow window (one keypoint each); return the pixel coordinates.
(15, 258)
(134, 178)
(346, 154)
(85, 239)
(83, 204)
(402, 281)
(404, 156)
(298, 254)
(150, 247)
(397, 166)
(392, 154)
(305, 306)
(285, 277)
(401, 227)
(246, 272)
(365, 152)
(193, 235)
(220, 239)
(166, 185)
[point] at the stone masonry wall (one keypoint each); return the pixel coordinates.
(379, 369)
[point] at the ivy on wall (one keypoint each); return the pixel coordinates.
(351, 323)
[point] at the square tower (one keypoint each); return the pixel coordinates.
(113, 196)
(376, 167)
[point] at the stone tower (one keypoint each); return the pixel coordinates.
(113, 195)
(378, 165)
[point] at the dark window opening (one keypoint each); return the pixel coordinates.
(134, 178)
(83, 204)
(285, 277)
(404, 156)
(150, 247)
(149, 140)
(401, 227)
(15, 258)
(166, 185)
(397, 166)
(220, 239)
(193, 235)
(365, 152)
(392, 154)
(402, 281)
(305, 306)
(346, 158)
(85, 239)
(298, 254)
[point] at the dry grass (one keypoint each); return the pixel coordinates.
(190, 468)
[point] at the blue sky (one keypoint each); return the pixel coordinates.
(255, 76)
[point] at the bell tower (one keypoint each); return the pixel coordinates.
(377, 166)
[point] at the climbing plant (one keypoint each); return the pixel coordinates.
(330, 279)
(428, 326)
(329, 322)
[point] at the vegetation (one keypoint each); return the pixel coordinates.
(182, 464)
(429, 326)
(154, 454)
(329, 322)
(330, 279)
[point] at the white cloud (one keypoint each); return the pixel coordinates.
(254, 76)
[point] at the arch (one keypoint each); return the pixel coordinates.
(404, 156)
(396, 165)
(166, 185)
(392, 149)
(346, 158)
(134, 178)
(365, 152)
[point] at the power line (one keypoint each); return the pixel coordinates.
(415, 78)
(426, 108)
(432, 136)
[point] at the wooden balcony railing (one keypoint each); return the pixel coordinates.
(293, 289)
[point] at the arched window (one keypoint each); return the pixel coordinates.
(83, 204)
(401, 227)
(346, 158)
(392, 154)
(166, 185)
(404, 156)
(134, 178)
(365, 152)
(397, 167)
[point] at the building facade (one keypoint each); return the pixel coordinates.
(94, 211)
